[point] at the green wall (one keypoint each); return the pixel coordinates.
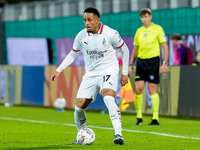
(181, 20)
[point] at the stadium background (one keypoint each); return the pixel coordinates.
(62, 20)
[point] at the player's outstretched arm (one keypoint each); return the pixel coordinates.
(55, 75)
(125, 59)
(67, 61)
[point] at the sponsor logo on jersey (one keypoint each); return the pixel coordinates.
(96, 54)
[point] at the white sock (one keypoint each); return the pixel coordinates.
(114, 113)
(79, 117)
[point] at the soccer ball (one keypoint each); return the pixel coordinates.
(85, 136)
(60, 103)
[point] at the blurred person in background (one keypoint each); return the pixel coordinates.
(197, 61)
(147, 41)
(182, 53)
(98, 43)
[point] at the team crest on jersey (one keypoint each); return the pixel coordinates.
(145, 35)
(104, 41)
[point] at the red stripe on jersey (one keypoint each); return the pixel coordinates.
(120, 45)
(75, 50)
(101, 29)
(88, 34)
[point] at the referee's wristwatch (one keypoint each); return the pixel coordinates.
(165, 62)
(131, 65)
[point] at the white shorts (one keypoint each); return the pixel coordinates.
(92, 85)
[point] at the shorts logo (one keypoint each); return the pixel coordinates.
(136, 77)
(151, 77)
(145, 35)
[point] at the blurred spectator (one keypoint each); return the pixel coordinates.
(182, 53)
(197, 61)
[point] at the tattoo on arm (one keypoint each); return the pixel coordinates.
(105, 91)
(79, 101)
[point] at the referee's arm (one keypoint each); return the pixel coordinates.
(166, 53)
(165, 48)
(134, 55)
(132, 60)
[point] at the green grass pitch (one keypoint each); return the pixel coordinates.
(23, 127)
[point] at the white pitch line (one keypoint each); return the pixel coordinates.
(98, 127)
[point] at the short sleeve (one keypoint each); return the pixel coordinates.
(136, 42)
(76, 45)
(116, 40)
(161, 36)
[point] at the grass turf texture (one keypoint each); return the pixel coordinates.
(57, 130)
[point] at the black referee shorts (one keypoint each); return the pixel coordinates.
(148, 70)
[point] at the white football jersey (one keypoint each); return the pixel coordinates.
(99, 50)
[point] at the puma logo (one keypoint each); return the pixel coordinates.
(110, 83)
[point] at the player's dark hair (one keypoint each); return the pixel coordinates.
(144, 11)
(176, 37)
(92, 10)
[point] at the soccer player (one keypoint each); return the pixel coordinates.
(98, 43)
(147, 41)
